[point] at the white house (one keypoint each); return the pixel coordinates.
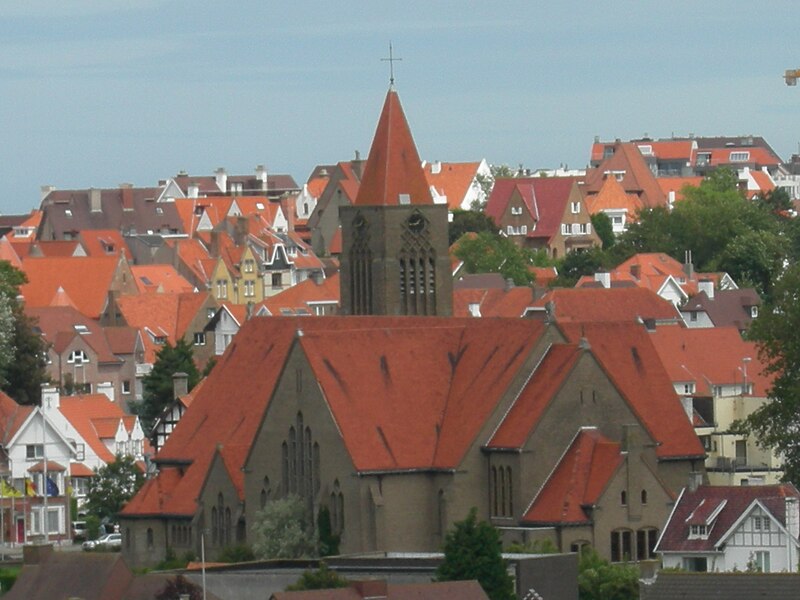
(733, 528)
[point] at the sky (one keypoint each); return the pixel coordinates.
(94, 93)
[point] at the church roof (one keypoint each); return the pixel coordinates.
(393, 174)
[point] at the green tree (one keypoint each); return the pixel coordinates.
(754, 259)
(328, 541)
(600, 580)
(776, 424)
(604, 228)
(282, 530)
(23, 359)
(472, 550)
(577, 264)
(178, 587)
(321, 579)
(112, 486)
(158, 390)
(487, 253)
(469, 221)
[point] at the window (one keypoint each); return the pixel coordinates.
(249, 265)
(222, 288)
(199, 338)
(621, 542)
(693, 316)
(68, 212)
(159, 210)
(703, 158)
(739, 156)
(688, 388)
(753, 312)
(523, 230)
(564, 229)
(249, 288)
(623, 498)
(706, 441)
(644, 497)
(762, 561)
(646, 543)
(277, 281)
(80, 451)
(516, 210)
(575, 207)
(698, 532)
(34, 451)
(150, 542)
(695, 564)
(616, 220)
(578, 546)
(584, 229)
(78, 357)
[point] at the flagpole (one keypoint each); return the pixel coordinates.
(46, 516)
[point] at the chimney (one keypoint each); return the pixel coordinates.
(636, 271)
(603, 278)
(180, 384)
(318, 277)
(261, 175)
(688, 266)
(436, 167)
(793, 516)
(695, 481)
(371, 588)
(222, 180)
(107, 388)
(50, 397)
(193, 190)
(127, 195)
(94, 200)
(46, 189)
(707, 286)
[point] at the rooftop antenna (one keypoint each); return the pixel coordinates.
(391, 60)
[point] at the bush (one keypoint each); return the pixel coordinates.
(236, 554)
(7, 578)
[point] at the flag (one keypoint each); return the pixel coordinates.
(29, 489)
(52, 488)
(8, 491)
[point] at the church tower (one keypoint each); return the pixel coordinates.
(395, 257)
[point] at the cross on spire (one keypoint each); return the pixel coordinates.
(391, 60)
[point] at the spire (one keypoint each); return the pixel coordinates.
(393, 174)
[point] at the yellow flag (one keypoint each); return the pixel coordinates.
(9, 491)
(29, 489)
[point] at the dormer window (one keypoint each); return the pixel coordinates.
(516, 210)
(740, 156)
(753, 312)
(68, 212)
(698, 532)
(688, 388)
(575, 207)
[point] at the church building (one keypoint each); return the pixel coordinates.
(398, 418)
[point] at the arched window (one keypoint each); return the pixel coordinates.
(214, 526)
(227, 526)
(644, 496)
(316, 469)
(441, 526)
(623, 498)
(292, 461)
(308, 471)
(285, 468)
(502, 491)
(150, 541)
(493, 486)
(509, 491)
(621, 545)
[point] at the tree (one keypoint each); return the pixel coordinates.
(321, 579)
(23, 360)
(472, 550)
(776, 424)
(604, 228)
(112, 486)
(487, 253)
(599, 579)
(469, 221)
(158, 390)
(328, 541)
(575, 265)
(282, 529)
(176, 588)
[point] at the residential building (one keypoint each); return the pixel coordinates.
(721, 308)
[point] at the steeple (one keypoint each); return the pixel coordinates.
(393, 174)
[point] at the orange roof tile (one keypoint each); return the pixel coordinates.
(677, 185)
(12, 416)
(162, 279)
(9, 253)
(452, 180)
(612, 197)
(104, 242)
(393, 174)
(510, 302)
(80, 470)
(95, 418)
(304, 294)
(597, 304)
(577, 481)
(637, 177)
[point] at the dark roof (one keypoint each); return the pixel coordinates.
(727, 586)
(728, 307)
(737, 499)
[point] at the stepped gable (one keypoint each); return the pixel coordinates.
(393, 170)
(577, 481)
(627, 355)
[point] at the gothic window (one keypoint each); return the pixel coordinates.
(292, 461)
(285, 468)
(509, 498)
(361, 268)
(623, 498)
(440, 513)
(493, 485)
(337, 509)
(644, 496)
(227, 526)
(266, 491)
(150, 542)
(417, 261)
(300, 462)
(214, 526)
(502, 484)
(315, 467)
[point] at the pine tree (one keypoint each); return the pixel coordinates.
(473, 550)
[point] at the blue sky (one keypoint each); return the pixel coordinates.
(99, 92)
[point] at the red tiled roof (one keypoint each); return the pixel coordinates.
(544, 197)
(452, 180)
(577, 305)
(627, 355)
(577, 481)
(51, 467)
(303, 294)
(612, 197)
(677, 185)
(637, 178)
(162, 279)
(104, 242)
(393, 169)
(54, 248)
(12, 416)
(80, 470)
(737, 499)
(710, 356)
(58, 323)
(95, 418)
(8, 252)
(86, 280)
(493, 302)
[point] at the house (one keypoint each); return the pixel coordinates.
(674, 187)
(224, 323)
(260, 183)
(376, 588)
(458, 184)
(317, 296)
(165, 423)
(84, 357)
(489, 295)
(720, 379)
(733, 528)
(625, 163)
(67, 213)
(542, 213)
(602, 304)
(721, 308)
(665, 158)
(399, 420)
(620, 207)
(341, 190)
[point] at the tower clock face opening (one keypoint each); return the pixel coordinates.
(416, 223)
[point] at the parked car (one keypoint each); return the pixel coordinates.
(79, 530)
(110, 541)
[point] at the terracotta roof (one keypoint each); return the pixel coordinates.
(9, 253)
(304, 294)
(362, 590)
(577, 482)
(162, 279)
(54, 248)
(680, 149)
(544, 197)
(86, 280)
(452, 180)
(393, 174)
(52, 466)
(356, 360)
(637, 177)
(12, 416)
(80, 470)
(578, 305)
(104, 242)
(709, 356)
(627, 355)
(612, 197)
(95, 418)
(677, 185)
(493, 302)
(651, 269)
(60, 325)
(736, 499)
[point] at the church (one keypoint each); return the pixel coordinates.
(399, 418)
